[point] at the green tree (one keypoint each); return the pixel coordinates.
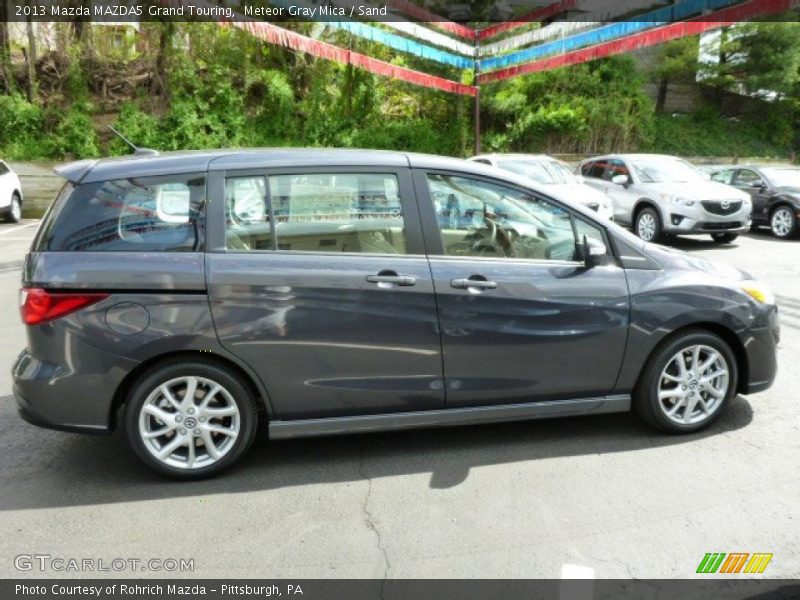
(676, 62)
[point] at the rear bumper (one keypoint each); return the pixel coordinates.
(56, 397)
(761, 346)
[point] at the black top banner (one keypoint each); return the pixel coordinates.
(476, 14)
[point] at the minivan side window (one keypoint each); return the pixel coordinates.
(335, 212)
(148, 214)
(480, 218)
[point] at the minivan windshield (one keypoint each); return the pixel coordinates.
(666, 169)
(783, 177)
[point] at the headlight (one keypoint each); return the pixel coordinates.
(677, 200)
(759, 291)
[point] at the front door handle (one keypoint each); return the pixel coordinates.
(476, 282)
(391, 279)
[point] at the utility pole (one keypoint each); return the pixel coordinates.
(477, 110)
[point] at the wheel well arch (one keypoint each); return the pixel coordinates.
(124, 388)
(778, 204)
(18, 193)
(643, 203)
(727, 335)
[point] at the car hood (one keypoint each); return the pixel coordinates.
(681, 259)
(787, 190)
(697, 190)
(580, 192)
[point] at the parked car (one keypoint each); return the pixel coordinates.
(547, 170)
(660, 195)
(709, 169)
(775, 194)
(151, 299)
(10, 194)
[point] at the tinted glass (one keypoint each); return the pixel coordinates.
(338, 212)
(532, 169)
(3, 168)
(139, 214)
(479, 218)
(722, 176)
(747, 178)
(594, 169)
(617, 167)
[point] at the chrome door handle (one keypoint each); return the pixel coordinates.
(464, 284)
(392, 278)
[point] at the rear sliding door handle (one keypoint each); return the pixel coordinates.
(465, 284)
(391, 279)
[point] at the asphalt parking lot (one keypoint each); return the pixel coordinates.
(601, 496)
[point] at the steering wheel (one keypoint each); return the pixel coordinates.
(488, 240)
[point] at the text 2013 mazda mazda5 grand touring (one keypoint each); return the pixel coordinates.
(191, 296)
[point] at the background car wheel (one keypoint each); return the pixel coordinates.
(15, 211)
(687, 382)
(724, 238)
(648, 225)
(783, 222)
(190, 419)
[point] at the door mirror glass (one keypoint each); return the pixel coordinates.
(620, 179)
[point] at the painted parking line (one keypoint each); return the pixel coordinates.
(6, 231)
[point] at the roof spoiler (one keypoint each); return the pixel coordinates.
(74, 171)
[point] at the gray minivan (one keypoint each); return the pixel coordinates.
(193, 296)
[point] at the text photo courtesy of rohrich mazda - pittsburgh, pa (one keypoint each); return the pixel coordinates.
(399, 300)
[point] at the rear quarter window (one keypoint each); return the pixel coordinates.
(148, 214)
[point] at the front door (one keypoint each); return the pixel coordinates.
(521, 317)
(751, 182)
(323, 289)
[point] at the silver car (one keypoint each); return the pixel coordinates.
(555, 174)
(659, 195)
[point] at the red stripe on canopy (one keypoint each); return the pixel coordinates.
(540, 14)
(695, 26)
(422, 14)
(301, 43)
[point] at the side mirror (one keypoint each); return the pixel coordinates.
(595, 252)
(623, 180)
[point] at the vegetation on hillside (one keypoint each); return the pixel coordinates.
(175, 86)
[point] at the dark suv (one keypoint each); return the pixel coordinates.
(198, 294)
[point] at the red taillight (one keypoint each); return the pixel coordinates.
(39, 306)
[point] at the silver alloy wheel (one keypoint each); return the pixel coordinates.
(781, 222)
(189, 422)
(693, 384)
(646, 226)
(16, 209)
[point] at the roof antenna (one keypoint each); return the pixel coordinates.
(136, 150)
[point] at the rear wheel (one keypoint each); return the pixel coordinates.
(724, 238)
(783, 222)
(189, 420)
(15, 210)
(687, 382)
(648, 225)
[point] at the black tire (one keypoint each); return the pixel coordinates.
(645, 397)
(724, 238)
(652, 219)
(15, 209)
(237, 391)
(783, 231)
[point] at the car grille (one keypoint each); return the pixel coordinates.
(723, 207)
(721, 226)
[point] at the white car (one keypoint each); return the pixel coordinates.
(658, 194)
(551, 172)
(10, 194)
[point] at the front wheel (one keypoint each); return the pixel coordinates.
(724, 238)
(687, 382)
(783, 222)
(190, 419)
(15, 210)
(648, 225)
